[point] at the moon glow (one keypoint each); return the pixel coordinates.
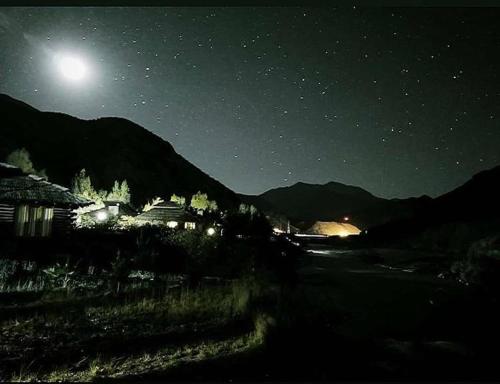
(72, 68)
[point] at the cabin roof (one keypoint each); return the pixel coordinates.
(8, 170)
(166, 211)
(17, 187)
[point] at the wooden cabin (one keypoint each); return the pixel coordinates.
(30, 206)
(111, 210)
(168, 214)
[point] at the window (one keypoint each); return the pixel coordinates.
(33, 221)
(189, 225)
(172, 224)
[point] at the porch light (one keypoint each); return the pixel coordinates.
(210, 231)
(101, 216)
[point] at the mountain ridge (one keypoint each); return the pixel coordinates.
(114, 148)
(305, 203)
(109, 148)
(461, 216)
(366, 210)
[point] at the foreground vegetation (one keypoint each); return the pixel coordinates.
(72, 336)
(159, 304)
(366, 316)
(145, 300)
(150, 329)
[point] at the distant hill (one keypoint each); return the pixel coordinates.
(477, 198)
(306, 203)
(453, 220)
(108, 148)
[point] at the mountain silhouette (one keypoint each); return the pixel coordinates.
(108, 148)
(471, 211)
(306, 203)
(476, 199)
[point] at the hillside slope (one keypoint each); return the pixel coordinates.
(477, 198)
(108, 148)
(467, 213)
(307, 203)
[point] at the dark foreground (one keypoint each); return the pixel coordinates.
(388, 321)
(353, 315)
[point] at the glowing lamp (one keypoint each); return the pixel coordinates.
(101, 216)
(172, 224)
(210, 231)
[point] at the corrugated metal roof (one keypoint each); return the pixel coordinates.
(19, 188)
(166, 211)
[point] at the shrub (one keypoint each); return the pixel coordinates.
(264, 325)
(59, 275)
(481, 266)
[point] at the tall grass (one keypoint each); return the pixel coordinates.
(224, 310)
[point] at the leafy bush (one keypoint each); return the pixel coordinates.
(19, 276)
(481, 266)
(264, 325)
(59, 275)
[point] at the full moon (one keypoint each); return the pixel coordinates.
(72, 68)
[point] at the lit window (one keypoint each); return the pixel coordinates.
(113, 209)
(189, 225)
(172, 224)
(33, 221)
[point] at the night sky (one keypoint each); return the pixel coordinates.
(399, 101)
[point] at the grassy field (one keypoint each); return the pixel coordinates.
(352, 315)
(73, 337)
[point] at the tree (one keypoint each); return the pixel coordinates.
(212, 206)
(181, 200)
(124, 192)
(150, 204)
(115, 193)
(82, 186)
(200, 202)
(120, 192)
(21, 159)
(247, 209)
